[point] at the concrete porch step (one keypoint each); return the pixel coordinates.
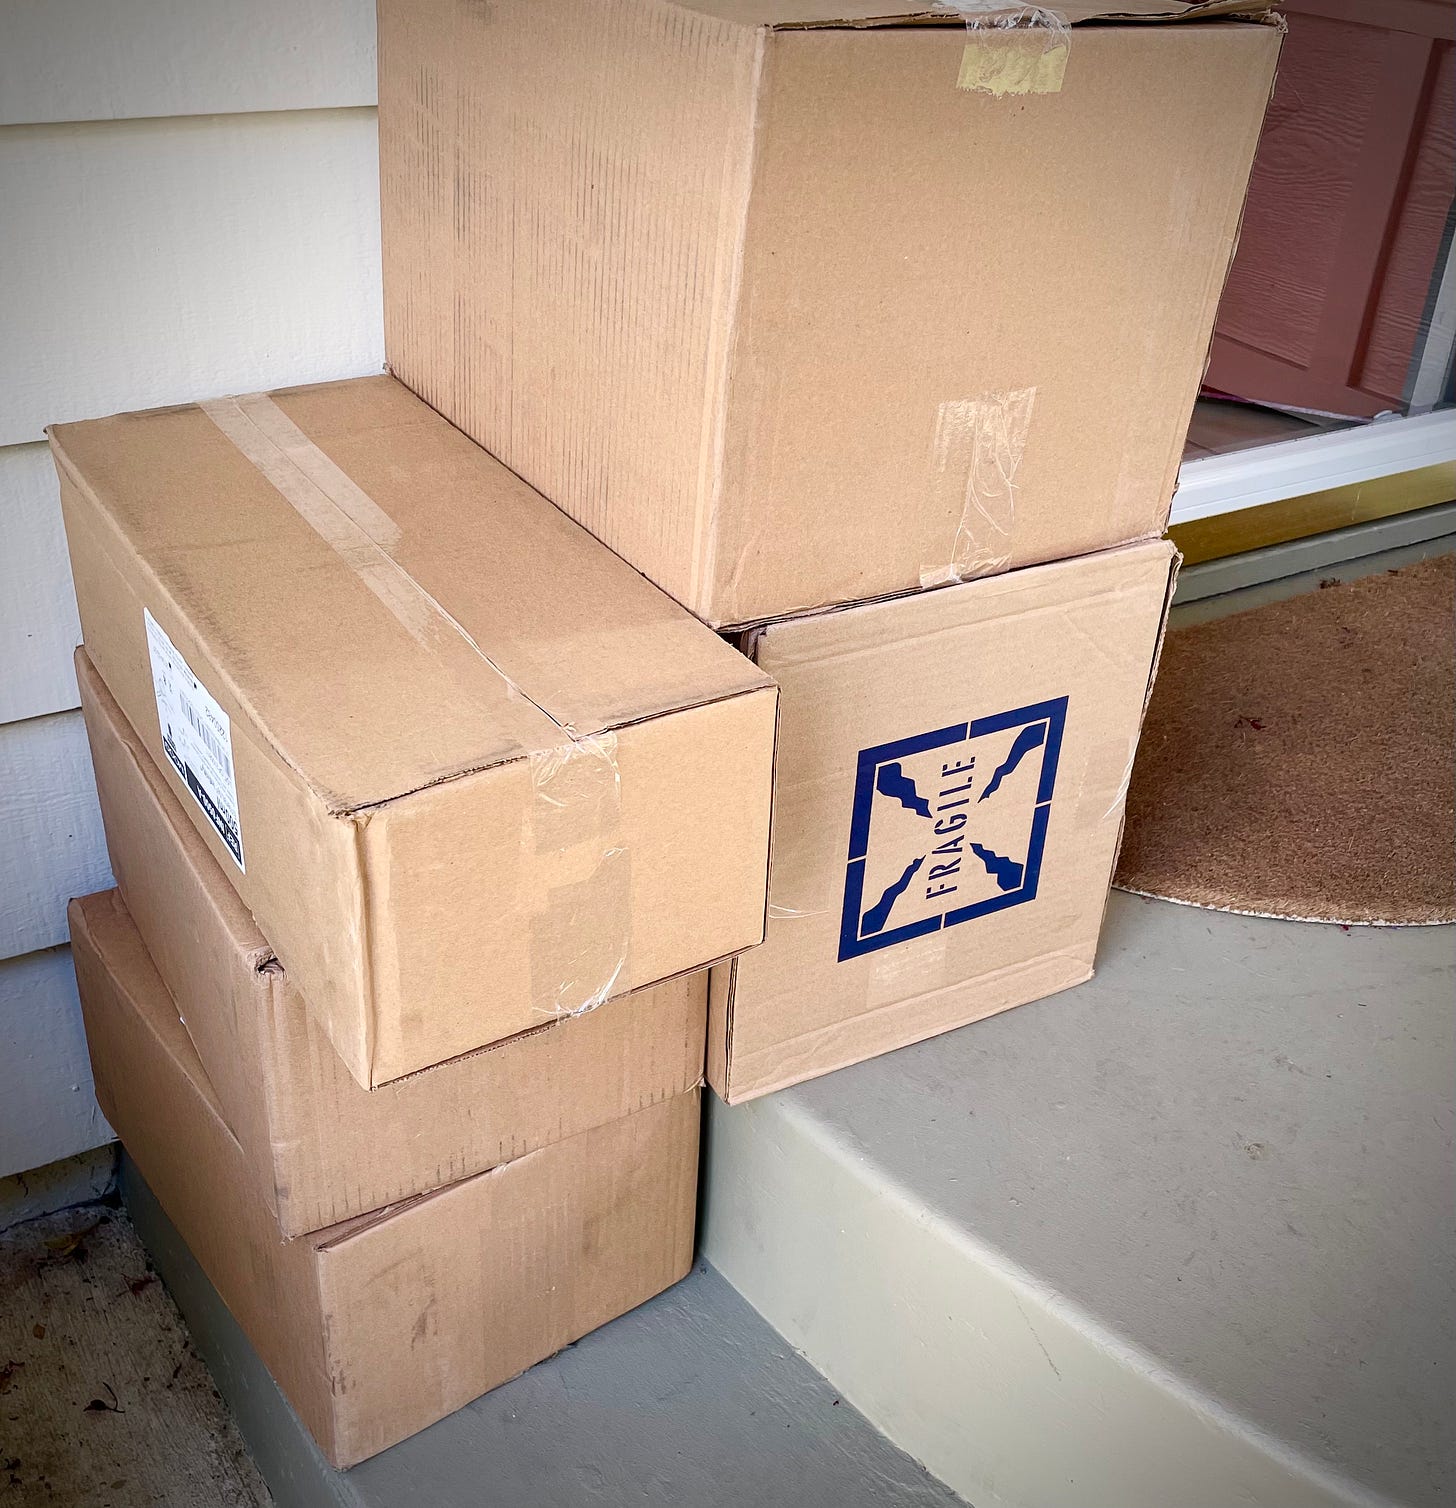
(690, 1401)
(1180, 1238)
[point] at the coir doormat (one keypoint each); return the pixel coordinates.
(1297, 760)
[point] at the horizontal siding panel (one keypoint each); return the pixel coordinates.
(51, 842)
(38, 623)
(101, 60)
(48, 1108)
(157, 262)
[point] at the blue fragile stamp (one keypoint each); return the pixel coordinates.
(949, 825)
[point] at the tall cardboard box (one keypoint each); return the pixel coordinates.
(798, 302)
(952, 771)
(323, 1148)
(381, 1325)
(464, 765)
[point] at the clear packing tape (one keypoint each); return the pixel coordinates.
(1011, 49)
(976, 451)
(979, 442)
(579, 936)
(571, 833)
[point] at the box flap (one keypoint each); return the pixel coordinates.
(102, 921)
(785, 15)
(391, 605)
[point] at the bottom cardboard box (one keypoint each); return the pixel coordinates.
(379, 1326)
(948, 803)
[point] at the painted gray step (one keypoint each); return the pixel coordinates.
(690, 1401)
(1179, 1238)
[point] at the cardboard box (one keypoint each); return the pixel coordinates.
(383, 1324)
(324, 1148)
(952, 771)
(799, 302)
(464, 766)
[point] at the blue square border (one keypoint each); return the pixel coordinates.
(1054, 714)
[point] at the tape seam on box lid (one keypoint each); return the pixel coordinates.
(1011, 48)
(565, 816)
(349, 521)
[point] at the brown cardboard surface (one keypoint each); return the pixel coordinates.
(792, 309)
(924, 743)
(324, 1148)
(798, 13)
(378, 1327)
(476, 757)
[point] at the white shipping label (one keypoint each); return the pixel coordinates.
(197, 736)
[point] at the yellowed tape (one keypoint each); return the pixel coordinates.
(1002, 63)
(1012, 47)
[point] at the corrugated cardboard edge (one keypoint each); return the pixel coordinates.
(1175, 564)
(702, 576)
(1209, 10)
(718, 1059)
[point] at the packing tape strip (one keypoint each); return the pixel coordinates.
(572, 837)
(1011, 49)
(579, 938)
(349, 521)
(976, 451)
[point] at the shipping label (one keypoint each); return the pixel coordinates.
(197, 736)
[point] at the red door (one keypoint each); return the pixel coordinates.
(1348, 211)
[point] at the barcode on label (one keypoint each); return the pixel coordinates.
(210, 740)
(197, 737)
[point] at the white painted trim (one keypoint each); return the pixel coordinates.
(1438, 343)
(73, 60)
(1208, 485)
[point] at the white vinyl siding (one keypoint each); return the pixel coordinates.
(71, 60)
(190, 208)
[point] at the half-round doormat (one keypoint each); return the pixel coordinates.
(1297, 760)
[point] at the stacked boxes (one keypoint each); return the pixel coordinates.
(802, 303)
(870, 338)
(403, 776)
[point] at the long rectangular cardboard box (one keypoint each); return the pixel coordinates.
(467, 769)
(952, 771)
(324, 1148)
(379, 1326)
(799, 302)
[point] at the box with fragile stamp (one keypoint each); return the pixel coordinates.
(952, 771)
